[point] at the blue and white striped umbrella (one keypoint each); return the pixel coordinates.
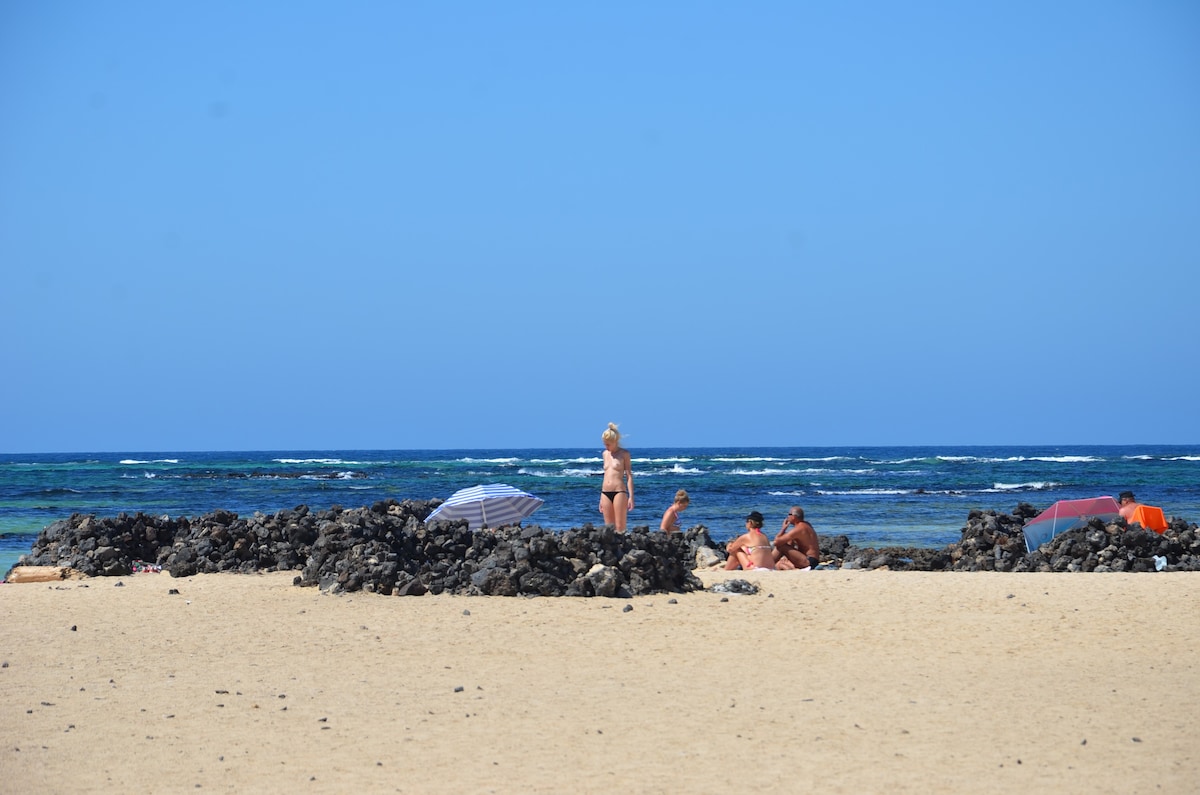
(489, 505)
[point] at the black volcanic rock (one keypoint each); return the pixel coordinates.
(388, 548)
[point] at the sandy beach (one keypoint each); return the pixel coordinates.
(831, 681)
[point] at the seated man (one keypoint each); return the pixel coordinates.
(1149, 517)
(751, 551)
(797, 543)
(1128, 505)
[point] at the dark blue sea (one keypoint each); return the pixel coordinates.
(878, 496)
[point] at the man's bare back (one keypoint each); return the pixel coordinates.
(797, 541)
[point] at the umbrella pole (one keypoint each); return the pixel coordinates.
(483, 513)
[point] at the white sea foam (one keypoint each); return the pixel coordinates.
(132, 461)
(769, 459)
(149, 475)
(328, 461)
(1185, 458)
(814, 471)
(489, 460)
(680, 470)
(887, 492)
(1036, 485)
(335, 475)
(770, 472)
(1050, 459)
(561, 473)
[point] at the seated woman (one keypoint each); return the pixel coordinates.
(751, 551)
(670, 521)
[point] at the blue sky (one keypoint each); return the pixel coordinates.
(308, 225)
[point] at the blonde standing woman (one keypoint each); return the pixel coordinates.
(616, 492)
(670, 521)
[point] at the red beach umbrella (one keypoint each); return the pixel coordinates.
(1066, 515)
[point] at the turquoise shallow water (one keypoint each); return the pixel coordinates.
(878, 496)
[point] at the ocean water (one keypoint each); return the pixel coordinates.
(878, 496)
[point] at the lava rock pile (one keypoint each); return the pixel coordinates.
(386, 548)
(993, 541)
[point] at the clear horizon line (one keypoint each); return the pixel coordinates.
(588, 447)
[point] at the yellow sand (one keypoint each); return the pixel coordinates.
(840, 682)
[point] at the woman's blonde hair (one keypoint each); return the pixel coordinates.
(611, 434)
(682, 496)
